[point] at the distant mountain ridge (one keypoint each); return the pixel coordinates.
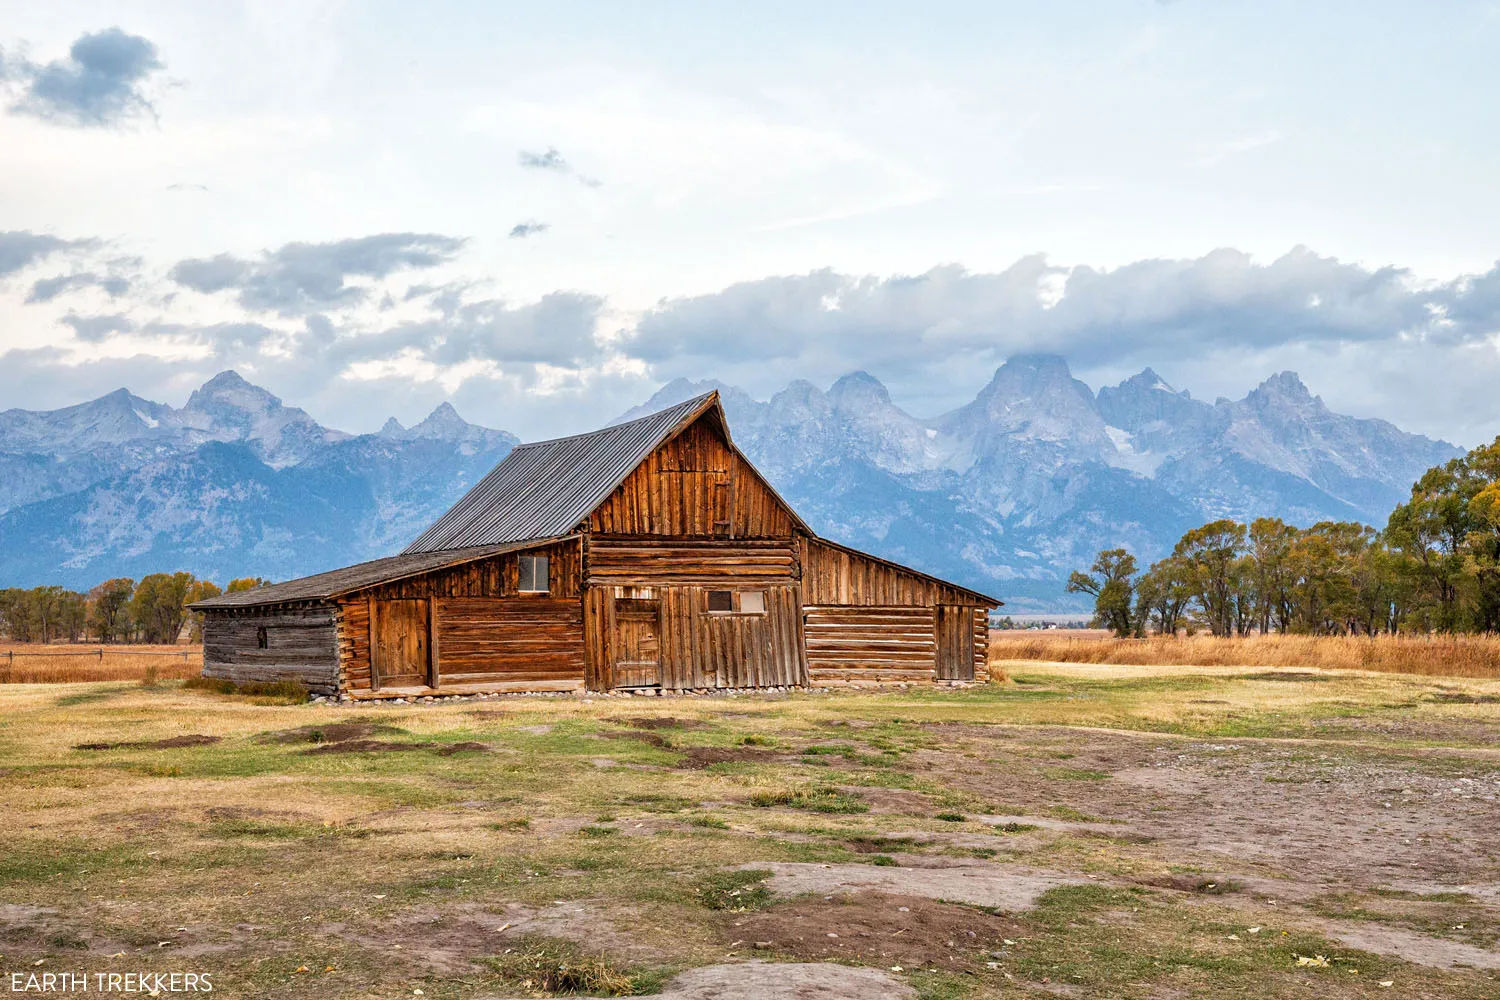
(1007, 493)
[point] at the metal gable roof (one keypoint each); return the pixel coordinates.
(545, 489)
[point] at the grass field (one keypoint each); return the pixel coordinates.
(1453, 656)
(1080, 831)
(64, 663)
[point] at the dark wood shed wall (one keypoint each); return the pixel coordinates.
(300, 646)
(485, 635)
(694, 485)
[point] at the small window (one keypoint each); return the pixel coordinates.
(752, 602)
(534, 575)
(261, 640)
(721, 600)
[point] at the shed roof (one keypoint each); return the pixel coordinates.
(325, 586)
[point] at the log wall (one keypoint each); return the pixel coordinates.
(615, 559)
(875, 645)
(301, 646)
(834, 575)
(488, 589)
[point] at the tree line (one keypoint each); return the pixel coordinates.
(116, 611)
(1434, 568)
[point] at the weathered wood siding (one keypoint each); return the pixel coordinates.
(833, 575)
(510, 643)
(694, 485)
(300, 646)
(698, 648)
(489, 589)
(876, 645)
(743, 562)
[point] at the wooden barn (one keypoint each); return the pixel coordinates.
(648, 555)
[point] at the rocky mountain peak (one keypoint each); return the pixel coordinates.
(443, 423)
(859, 390)
(392, 428)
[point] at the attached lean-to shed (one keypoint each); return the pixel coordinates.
(651, 554)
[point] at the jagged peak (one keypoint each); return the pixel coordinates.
(392, 428)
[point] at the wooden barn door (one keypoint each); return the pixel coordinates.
(955, 643)
(401, 644)
(637, 643)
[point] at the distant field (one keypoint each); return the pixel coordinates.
(65, 663)
(1442, 656)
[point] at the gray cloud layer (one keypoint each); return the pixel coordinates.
(98, 84)
(47, 289)
(20, 249)
(302, 278)
(1143, 310)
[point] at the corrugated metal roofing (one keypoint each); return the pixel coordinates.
(547, 488)
(366, 574)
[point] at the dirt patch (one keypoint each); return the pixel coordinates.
(658, 722)
(1309, 812)
(469, 746)
(878, 928)
(698, 758)
(333, 732)
(1409, 946)
(786, 981)
(980, 884)
(455, 940)
(366, 746)
(1292, 676)
(192, 740)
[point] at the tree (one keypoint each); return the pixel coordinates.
(1210, 558)
(246, 583)
(157, 606)
(1113, 590)
(1161, 595)
(1270, 544)
(201, 590)
(109, 609)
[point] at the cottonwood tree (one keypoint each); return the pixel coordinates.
(1210, 558)
(109, 609)
(1112, 586)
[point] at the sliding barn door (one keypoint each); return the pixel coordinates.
(401, 644)
(637, 643)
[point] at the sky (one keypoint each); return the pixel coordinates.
(542, 212)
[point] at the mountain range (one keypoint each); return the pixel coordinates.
(1007, 493)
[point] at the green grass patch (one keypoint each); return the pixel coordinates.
(824, 800)
(737, 890)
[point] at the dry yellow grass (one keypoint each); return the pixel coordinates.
(1443, 656)
(62, 663)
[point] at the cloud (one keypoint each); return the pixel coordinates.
(98, 84)
(550, 160)
(301, 278)
(1147, 309)
(20, 249)
(186, 186)
(94, 329)
(557, 330)
(554, 161)
(47, 289)
(524, 229)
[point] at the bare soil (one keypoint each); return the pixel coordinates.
(194, 740)
(877, 928)
(334, 732)
(1003, 887)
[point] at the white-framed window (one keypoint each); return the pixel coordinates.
(533, 575)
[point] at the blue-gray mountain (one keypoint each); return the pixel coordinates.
(1008, 493)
